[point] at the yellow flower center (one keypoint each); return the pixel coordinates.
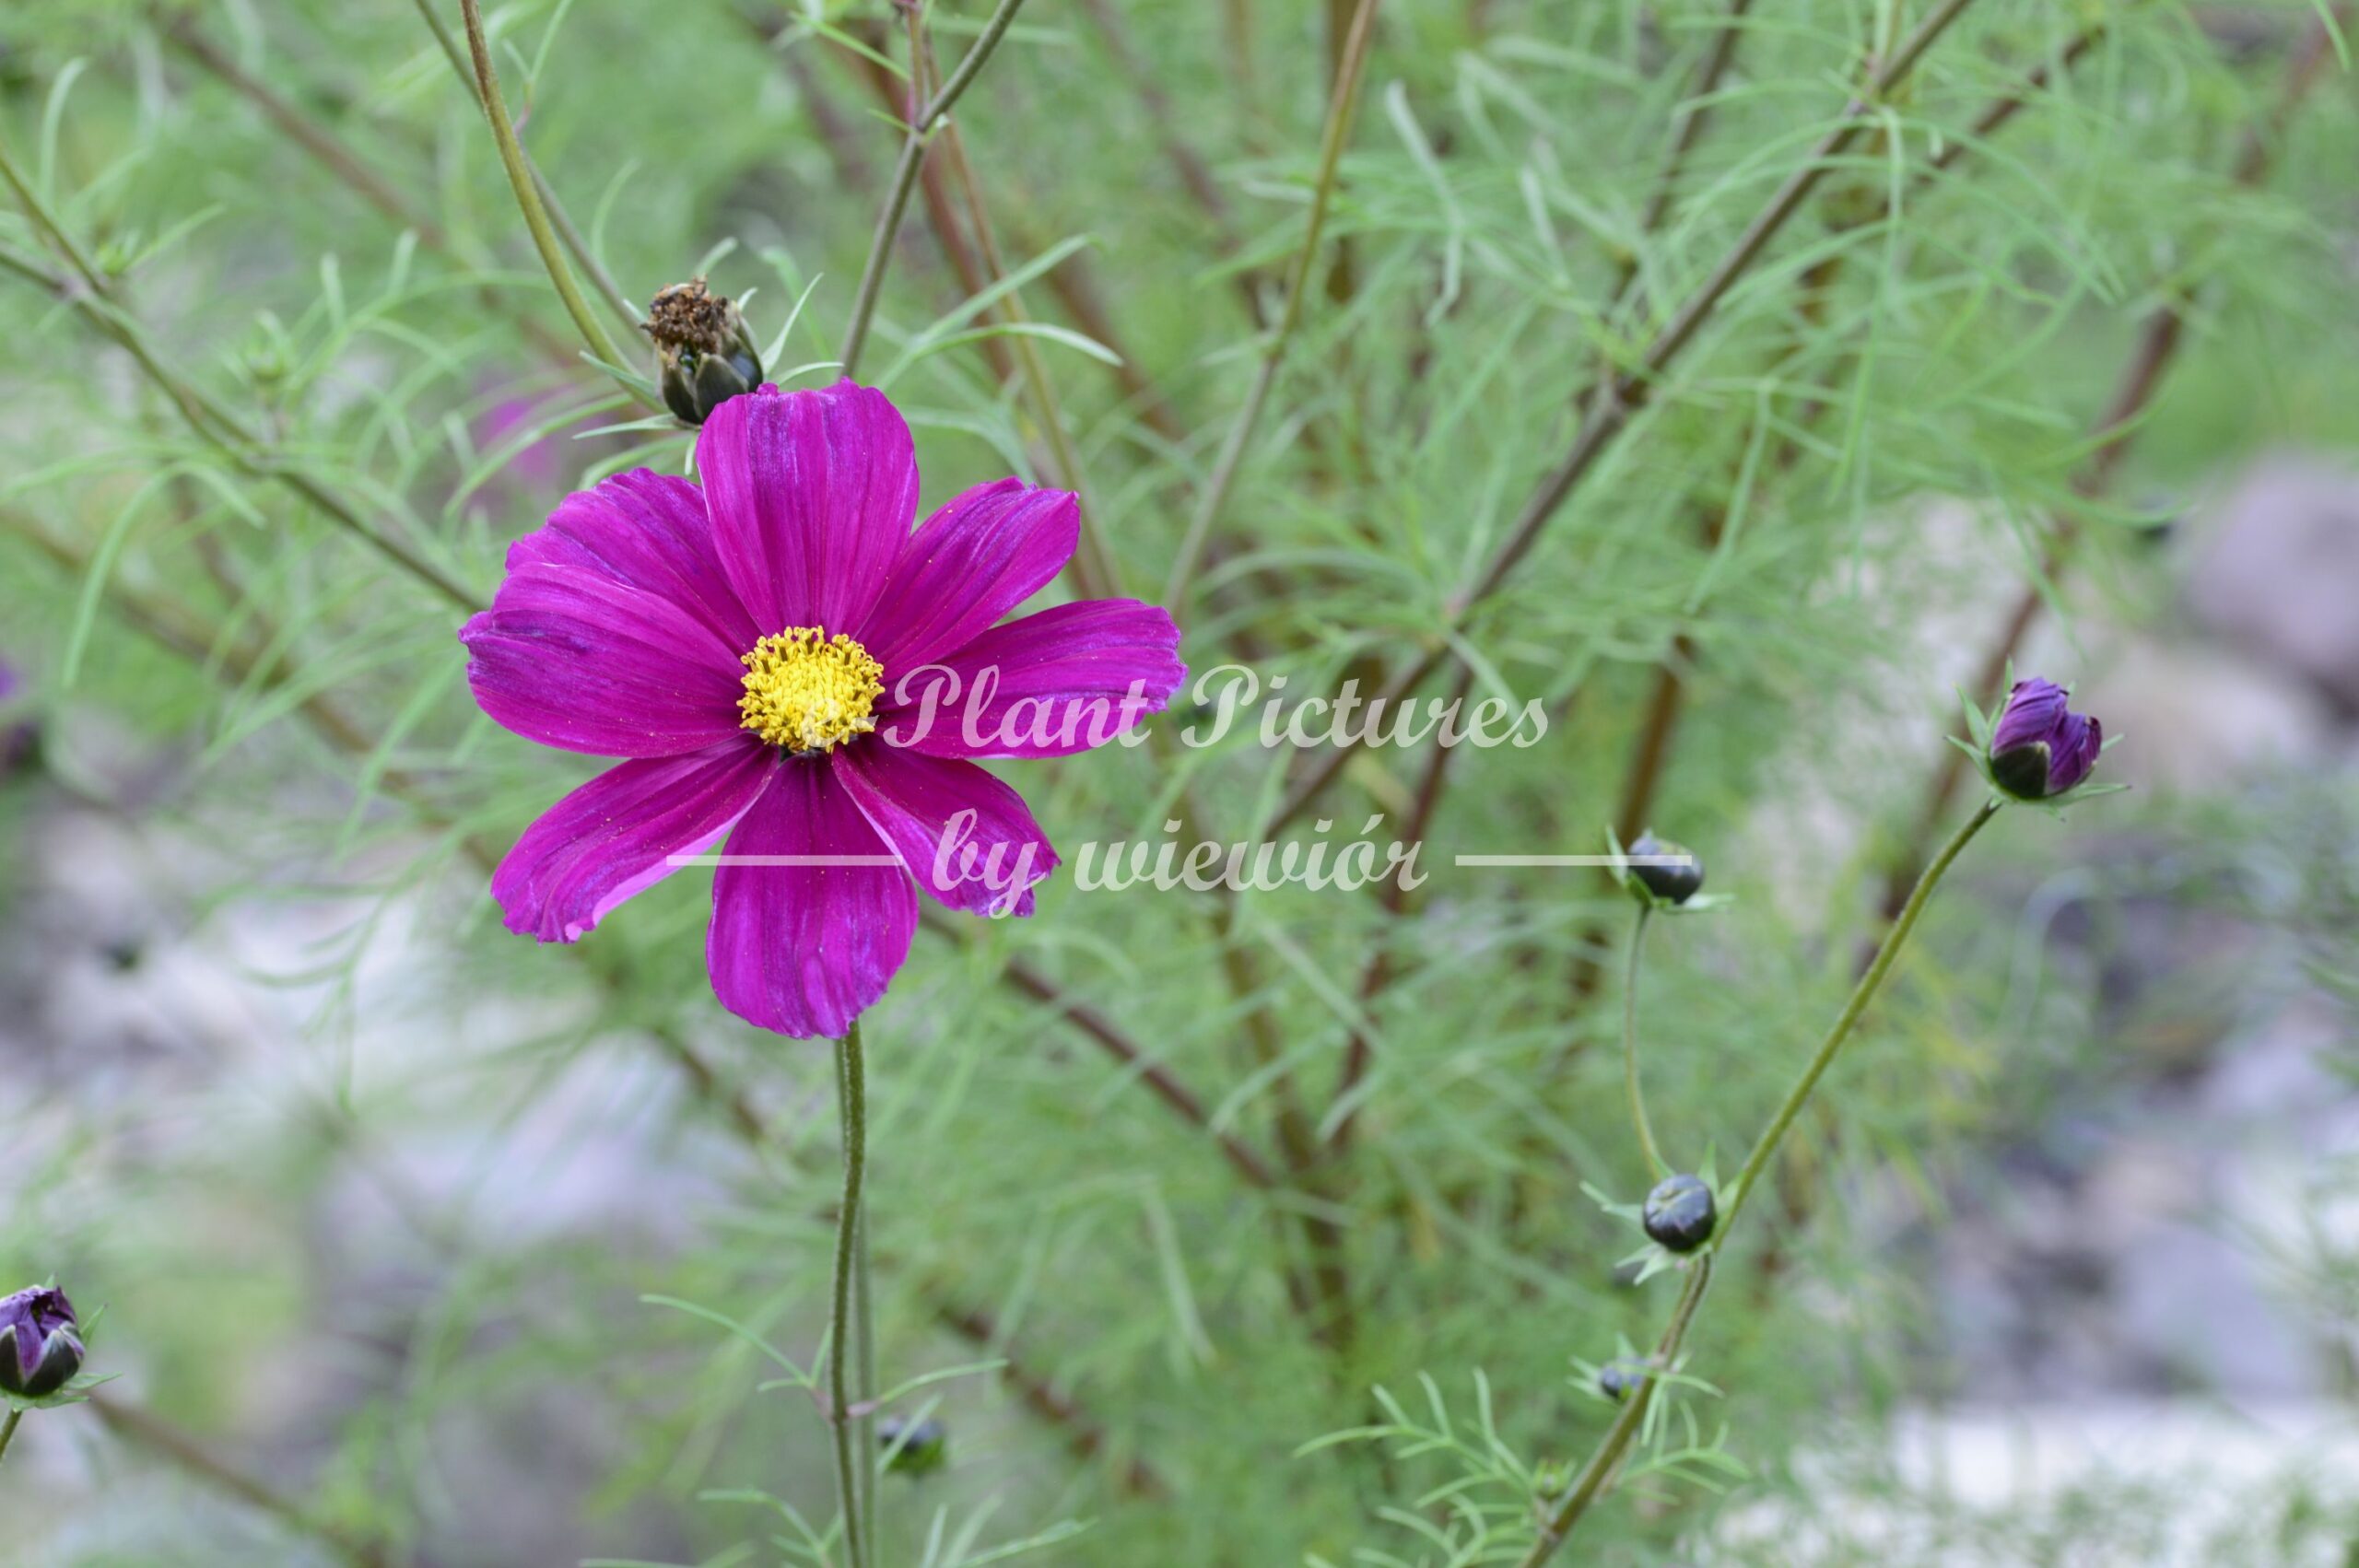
(809, 692)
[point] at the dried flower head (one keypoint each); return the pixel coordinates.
(704, 356)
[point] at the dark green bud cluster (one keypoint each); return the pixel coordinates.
(704, 357)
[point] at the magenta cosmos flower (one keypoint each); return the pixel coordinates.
(784, 662)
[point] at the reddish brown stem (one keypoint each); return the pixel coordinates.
(1376, 977)
(1085, 1438)
(1158, 1079)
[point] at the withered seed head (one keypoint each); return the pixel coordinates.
(690, 315)
(703, 354)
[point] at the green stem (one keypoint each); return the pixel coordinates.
(1861, 994)
(528, 195)
(566, 228)
(852, 1098)
(1590, 1484)
(905, 179)
(8, 1430)
(1655, 1163)
(1340, 108)
(864, 1431)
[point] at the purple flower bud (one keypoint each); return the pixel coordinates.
(2040, 747)
(39, 1349)
(19, 740)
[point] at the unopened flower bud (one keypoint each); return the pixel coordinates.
(924, 1445)
(2040, 747)
(1677, 875)
(1680, 1213)
(704, 357)
(40, 1347)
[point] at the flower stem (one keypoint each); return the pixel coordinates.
(8, 1430)
(851, 1099)
(1861, 994)
(905, 177)
(566, 229)
(1351, 66)
(1655, 1164)
(864, 1421)
(1590, 1484)
(528, 195)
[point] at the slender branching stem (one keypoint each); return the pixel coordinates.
(528, 199)
(1655, 1163)
(8, 1430)
(851, 1461)
(1619, 400)
(559, 218)
(905, 174)
(1382, 970)
(1341, 107)
(1094, 564)
(1590, 1484)
(1766, 1147)
(89, 292)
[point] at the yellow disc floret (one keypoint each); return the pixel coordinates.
(809, 692)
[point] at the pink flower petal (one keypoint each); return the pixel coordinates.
(972, 562)
(811, 496)
(967, 837)
(1052, 683)
(648, 531)
(573, 657)
(803, 949)
(610, 838)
